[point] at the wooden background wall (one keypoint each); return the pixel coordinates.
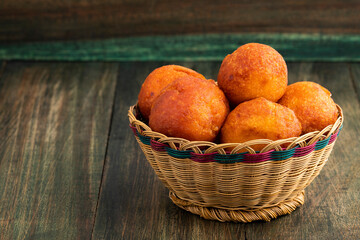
(41, 20)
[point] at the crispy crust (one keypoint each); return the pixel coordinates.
(259, 119)
(253, 70)
(312, 105)
(190, 108)
(156, 81)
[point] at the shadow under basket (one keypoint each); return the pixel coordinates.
(242, 185)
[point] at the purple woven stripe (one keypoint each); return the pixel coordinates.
(203, 158)
(133, 129)
(333, 137)
(302, 151)
(157, 146)
(259, 157)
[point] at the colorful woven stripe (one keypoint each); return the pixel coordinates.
(238, 157)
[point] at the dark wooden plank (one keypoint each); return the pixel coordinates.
(48, 20)
(332, 207)
(355, 77)
(209, 47)
(2, 67)
(54, 123)
(133, 202)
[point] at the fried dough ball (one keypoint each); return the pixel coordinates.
(312, 105)
(259, 119)
(190, 108)
(253, 70)
(156, 81)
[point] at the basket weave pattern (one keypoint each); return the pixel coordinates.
(242, 185)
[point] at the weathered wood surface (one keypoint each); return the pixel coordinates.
(54, 122)
(56, 141)
(24, 20)
(134, 204)
(332, 201)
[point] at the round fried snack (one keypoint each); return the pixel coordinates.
(156, 81)
(253, 70)
(259, 119)
(312, 105)
(190, 108)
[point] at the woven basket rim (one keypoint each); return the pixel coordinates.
(205, 147)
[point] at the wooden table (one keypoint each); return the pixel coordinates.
(70, 167)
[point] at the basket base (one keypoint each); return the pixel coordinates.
(222, 215)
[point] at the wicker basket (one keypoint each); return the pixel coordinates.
(241, 185)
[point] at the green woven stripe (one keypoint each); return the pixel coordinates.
(233, 158)
(144, 139)
(178, 153)
(282, 155)
(294, 47)
(321, 144)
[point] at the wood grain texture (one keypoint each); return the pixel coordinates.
(24, 20)
(355, 78)
(133, 203)
(54, 123)
(294, 47)
(54, 128)
(332, 207)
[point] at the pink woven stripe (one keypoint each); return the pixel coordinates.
(333, 137)
(157, 146)
(259, 157)
(203, 158)
(244, 157)
(303, 151)
(133, 129)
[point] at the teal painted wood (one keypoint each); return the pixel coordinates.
(294, 47)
